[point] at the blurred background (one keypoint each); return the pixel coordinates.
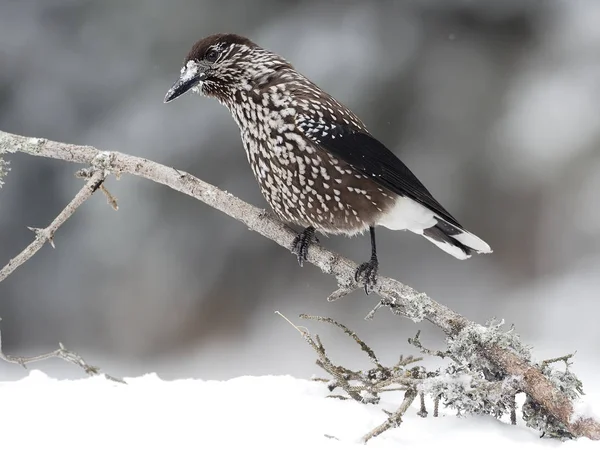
(493, 104)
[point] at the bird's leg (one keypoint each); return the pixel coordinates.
(367, 271)
(302, 242)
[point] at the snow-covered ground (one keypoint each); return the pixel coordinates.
(267, 412)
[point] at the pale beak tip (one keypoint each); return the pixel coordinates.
(169, 96)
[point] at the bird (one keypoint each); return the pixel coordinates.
(316, 163)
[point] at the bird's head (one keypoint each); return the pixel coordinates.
(221, 64)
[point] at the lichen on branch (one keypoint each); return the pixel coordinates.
(4, 168)
(498, 354)
(468, 384)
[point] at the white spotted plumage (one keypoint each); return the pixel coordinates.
(290, 129)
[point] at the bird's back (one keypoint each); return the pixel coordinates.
(305, 184)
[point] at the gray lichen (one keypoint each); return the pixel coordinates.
(468, 392)
(409, 303)
(470, 384)
(6, 146)
(566, 382)
(537, 418)
(4, 169)
(473, 385)
(467, 344)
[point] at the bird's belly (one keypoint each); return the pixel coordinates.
(310, 190)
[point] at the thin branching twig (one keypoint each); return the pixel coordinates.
(422, 410)
(340, 374)
(61, 353)
(395, 419)
(364, 347)
(564, 359)
(43, 235)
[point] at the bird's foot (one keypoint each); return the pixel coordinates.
(302, 242)
(367, 273)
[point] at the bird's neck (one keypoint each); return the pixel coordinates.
(270, 91)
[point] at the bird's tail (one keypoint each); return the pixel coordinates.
(454, 240)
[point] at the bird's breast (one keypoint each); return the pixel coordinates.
(302, 182)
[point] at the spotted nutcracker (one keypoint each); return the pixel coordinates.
(315, 162)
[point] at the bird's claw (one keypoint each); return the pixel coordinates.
(367, 272)
(302, 242)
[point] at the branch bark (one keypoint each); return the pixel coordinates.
(395, 295)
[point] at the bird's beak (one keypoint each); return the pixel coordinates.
(190, 77)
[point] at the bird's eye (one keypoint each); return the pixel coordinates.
(211, 55)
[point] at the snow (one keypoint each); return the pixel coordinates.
(462, 380)
(582, 408)
(189, 71)
(267, 412)
(36, 141)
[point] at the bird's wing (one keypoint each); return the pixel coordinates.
(370, 158)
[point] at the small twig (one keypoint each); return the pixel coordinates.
(111, 199)
(513, 411)
(395, 419)
(302, 330)
(369, 384)
(417, 343)
(324, 360)
(403, 362)
(364, 347)
(403, 381)
(342, 291)
(422, 410)
(338, 397)
(565, 359)
(43, 235)
(376, 308)
(61, 353)
(322, 380)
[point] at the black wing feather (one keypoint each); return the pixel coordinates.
(374, 160)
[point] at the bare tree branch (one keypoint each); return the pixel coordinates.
(341, 375)
(95, 180)
(422, 408)
(394, 419)
(43, 235)
(401, 299)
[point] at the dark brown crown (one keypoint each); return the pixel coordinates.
(201, 47)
